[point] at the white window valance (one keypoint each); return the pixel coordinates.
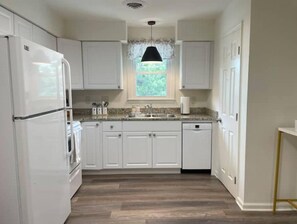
(136, 48)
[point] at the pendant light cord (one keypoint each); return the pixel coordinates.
(152, 35)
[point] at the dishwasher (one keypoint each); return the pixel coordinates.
(196, 146)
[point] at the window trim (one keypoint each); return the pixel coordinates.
(132, 84)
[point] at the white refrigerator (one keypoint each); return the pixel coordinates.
(34, 186)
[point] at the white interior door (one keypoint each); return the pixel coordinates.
(230, 82)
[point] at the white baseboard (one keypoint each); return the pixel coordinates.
(132, 171)
(261, 207)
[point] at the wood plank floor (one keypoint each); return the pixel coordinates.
(162, 199)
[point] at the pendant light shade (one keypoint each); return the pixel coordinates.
(151, 54)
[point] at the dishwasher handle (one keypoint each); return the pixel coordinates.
(196, 126)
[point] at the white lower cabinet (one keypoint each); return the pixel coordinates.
(137, 149)
(112, 150)
(131, 144)
(92, 146)
(167, 149)
(112, 145)
(152, 144)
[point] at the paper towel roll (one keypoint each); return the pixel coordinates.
(185, 105)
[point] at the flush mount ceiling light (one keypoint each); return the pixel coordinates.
(134, 4)
(151, 54)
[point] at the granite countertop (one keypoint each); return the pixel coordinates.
(123, 117)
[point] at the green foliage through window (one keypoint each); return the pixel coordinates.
(151, 79)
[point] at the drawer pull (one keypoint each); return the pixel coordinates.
(120, 135)
(111, 126)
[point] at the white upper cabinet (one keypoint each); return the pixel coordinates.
(6, 22)
(102, 65)
(73, 54)
(42, 37)
(195, 65)
(23, 28)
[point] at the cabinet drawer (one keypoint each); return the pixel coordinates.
(112, 126)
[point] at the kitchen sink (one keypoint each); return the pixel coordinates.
(157, 115)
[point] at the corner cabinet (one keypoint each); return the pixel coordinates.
(195, 65)
(6, 22)
(102, 62)
(73, 54)
(92, 146)
(23, 28)
(44, 38)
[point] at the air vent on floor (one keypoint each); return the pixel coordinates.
(134, 4)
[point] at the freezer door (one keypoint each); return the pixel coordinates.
(37, 78)
(43, 169)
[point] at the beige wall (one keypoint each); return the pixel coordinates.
(37, 12)
(138, 33)
(195, 30)
(96, 30)
(272, 97)
(237, 12)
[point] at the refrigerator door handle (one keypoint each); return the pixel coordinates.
(68, 73)
(69, 107)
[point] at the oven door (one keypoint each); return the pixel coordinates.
(73, 160)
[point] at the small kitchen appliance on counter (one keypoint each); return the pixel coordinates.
(185, 105)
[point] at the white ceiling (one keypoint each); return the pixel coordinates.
(165, 12)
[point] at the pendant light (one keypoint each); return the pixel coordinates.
(151, 54)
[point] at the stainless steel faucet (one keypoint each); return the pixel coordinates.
(149, 108)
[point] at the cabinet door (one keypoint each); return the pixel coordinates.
(73, 54)
(6, 22)
(102, 65)
(43, 38)
(137, 150)
(112, 150)
(92, 146)
(167, 150)
(23, 28)
(195, 65)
